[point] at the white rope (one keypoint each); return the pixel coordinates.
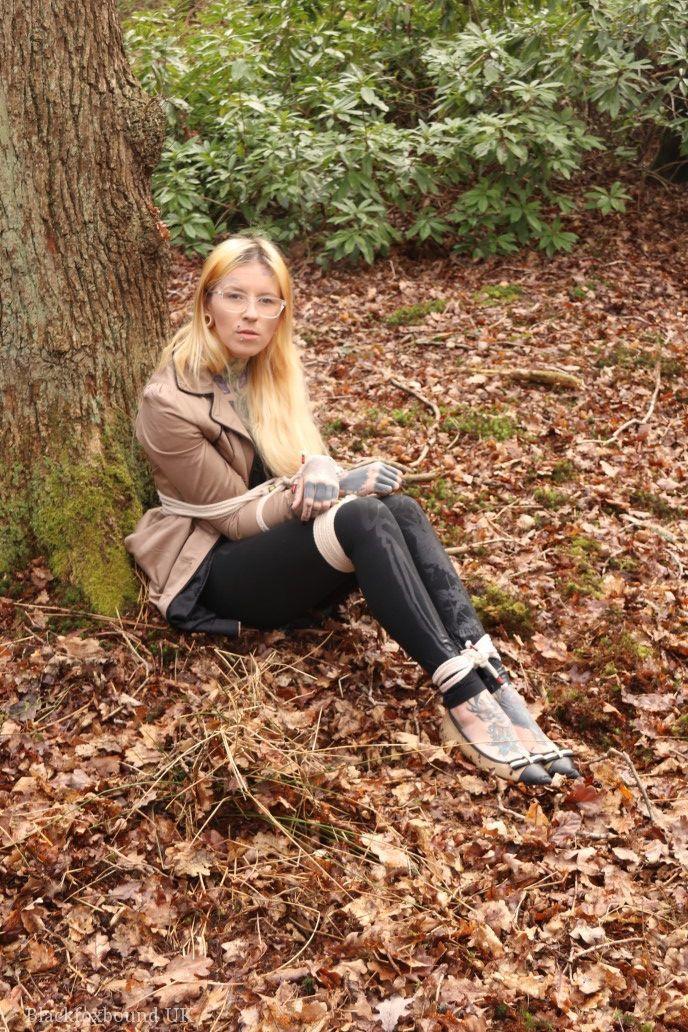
(176, 507)
(483, 650)
(259, 513)
(326, 540)
(455, 669)
(473, 655)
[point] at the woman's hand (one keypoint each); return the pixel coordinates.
(373, 478)
(317, 487)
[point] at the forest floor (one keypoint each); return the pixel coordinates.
(265, 833)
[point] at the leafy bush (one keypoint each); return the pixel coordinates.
(363, 124)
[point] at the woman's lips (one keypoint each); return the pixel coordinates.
(247, 333)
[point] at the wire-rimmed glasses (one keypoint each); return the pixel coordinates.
(268, 306)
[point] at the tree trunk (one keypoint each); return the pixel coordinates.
(83, 312)
(670, 163)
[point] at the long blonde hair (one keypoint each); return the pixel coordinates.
(282, 423)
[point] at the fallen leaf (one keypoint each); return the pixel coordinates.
(550, 649)
(486, 939)
(42, 957)
(496, 914)
(388, 853)
(391, 1010)
(588, 933)
(182, 979)
(626, 854)
(80, 648)
(96, 948)
(186, 859)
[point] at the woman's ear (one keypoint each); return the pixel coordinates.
(208, 319)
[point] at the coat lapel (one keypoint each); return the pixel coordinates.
(221, 409)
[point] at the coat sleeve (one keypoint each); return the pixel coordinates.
(190, 462)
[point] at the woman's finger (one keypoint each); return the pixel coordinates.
(325, 494)
(323, 491)
(318, 495)
(298, 494)
(309, 500)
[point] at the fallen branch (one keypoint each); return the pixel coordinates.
(629, 422)
(117, 622)
(548, 377)
(433, 408)
(421, 397)
(648, 415)
(650, 526)
(460, 549)
(651, 812)
(417, 478)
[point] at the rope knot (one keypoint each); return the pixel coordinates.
(480, 654)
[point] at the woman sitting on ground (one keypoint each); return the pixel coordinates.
(258, 525)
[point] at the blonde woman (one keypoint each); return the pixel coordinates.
(258, 525)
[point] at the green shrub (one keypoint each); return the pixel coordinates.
(361, 125)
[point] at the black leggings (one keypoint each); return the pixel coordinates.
(405, 575)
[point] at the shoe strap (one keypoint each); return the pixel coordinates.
(556, 754)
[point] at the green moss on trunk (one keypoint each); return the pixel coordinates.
(15, 548)
(75, 507)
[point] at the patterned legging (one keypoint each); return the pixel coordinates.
(273, 579)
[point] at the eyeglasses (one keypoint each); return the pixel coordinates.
(237, 301)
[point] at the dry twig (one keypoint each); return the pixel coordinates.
(651, 812)
(635, 419)
(648, 415)
(433, 408)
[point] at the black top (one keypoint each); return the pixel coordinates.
(185, 612)
(257, 474)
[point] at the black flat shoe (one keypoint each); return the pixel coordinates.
(556, 761)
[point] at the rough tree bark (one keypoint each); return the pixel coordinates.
(83, 312)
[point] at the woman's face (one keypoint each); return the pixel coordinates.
(244, 334)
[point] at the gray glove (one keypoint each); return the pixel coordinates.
(372, 478)
(317, 486)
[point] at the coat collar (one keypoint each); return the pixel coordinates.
(222, 394)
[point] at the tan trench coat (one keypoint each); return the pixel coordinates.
(201, 453)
